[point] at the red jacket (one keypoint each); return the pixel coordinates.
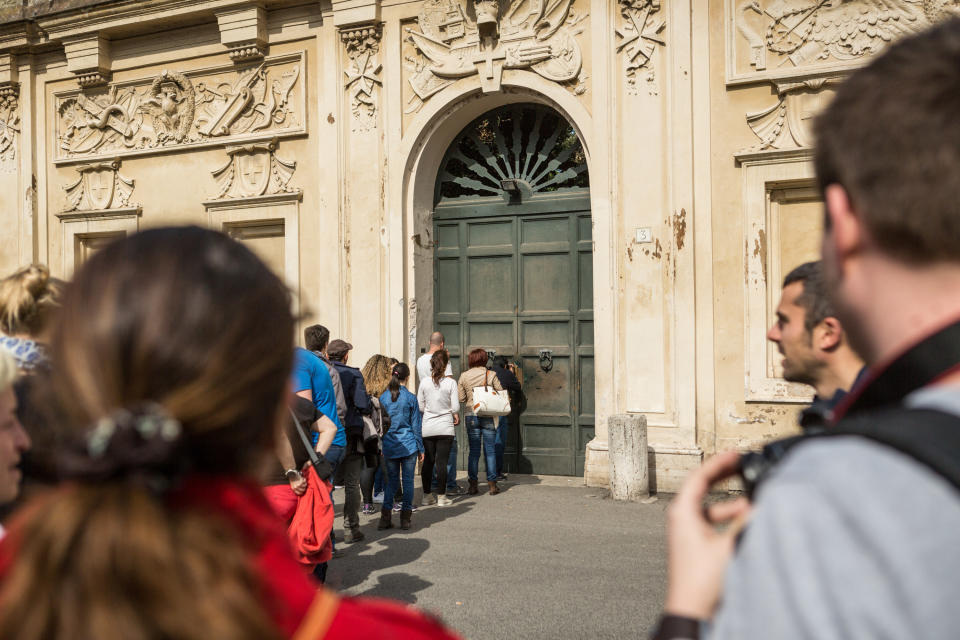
(300, 609)
(309, 531)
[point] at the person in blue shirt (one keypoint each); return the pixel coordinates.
(311, 380)
(402, 445)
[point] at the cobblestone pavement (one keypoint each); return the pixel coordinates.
(547, 558)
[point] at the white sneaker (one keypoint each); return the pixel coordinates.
(428, 499)
(378, 498)
(444, 501)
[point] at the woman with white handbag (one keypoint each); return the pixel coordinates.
(485, 399)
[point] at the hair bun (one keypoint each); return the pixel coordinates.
(142, 443)
(36, 279)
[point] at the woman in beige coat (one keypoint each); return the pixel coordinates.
(479, 428)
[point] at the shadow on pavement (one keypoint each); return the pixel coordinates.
(398, 586)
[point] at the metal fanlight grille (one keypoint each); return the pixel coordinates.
(518, 149)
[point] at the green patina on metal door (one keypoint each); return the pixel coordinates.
(513, 274)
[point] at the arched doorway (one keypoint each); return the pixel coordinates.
(514, 275)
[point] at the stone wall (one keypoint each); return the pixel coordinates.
(313, 130)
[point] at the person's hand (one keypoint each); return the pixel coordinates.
(420, 457)
(299, 487)
(697, 552)
(456, 419)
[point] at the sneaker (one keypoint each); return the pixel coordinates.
(337, 486)
(368, 509)
(444, 501)
(501, 476)
(428, 499)
(455, 490)
(353, 535)
(378, 498)
(396, 507)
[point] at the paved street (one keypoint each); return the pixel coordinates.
(547, 558)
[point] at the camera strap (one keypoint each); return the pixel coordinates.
(933, 358)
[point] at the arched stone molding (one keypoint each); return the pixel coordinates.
(411, 249)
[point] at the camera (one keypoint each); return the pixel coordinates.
(755, 466)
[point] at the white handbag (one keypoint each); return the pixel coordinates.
(488, 402)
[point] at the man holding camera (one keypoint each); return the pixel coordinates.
(814, 346)
(852, 532)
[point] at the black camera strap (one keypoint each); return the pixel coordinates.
(931, 359)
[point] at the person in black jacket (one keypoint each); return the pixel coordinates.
(358, 404)
(508, 380)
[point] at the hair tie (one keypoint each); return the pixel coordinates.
(141, 444)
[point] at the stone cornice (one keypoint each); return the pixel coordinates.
(122, 18)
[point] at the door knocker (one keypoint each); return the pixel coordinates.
(546, 359)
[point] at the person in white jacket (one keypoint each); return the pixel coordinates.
(437, 397)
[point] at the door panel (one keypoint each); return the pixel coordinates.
(516, 285)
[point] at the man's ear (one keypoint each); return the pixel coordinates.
(846, 233)
(828, 335)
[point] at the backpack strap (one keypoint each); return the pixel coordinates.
(930, 437)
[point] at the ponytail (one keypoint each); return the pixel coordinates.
(400, 373)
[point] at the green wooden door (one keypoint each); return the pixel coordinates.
(513, 275)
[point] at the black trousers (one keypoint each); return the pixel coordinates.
(435, 448)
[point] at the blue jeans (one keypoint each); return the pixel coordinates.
(396, 466)
(451, 470)
(481, 429)
(503, 428)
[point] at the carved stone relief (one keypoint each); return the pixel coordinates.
(639, 38)
(786, 124)
(99, 186)
(253, 170)
(783, 38)
(456, 39)
(9, 127)
(363, 74)
(182, 109)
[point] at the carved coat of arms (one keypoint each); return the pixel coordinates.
(460, 38)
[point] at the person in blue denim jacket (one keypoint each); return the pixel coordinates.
(402, 445)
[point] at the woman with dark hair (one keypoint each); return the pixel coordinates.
(171, 367)
(402, 445)
(437, 397)
(480, 429)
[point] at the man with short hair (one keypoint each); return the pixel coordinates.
(315, 337)
(358, 404)
(814, 346)
(437, 343)
(852, 532)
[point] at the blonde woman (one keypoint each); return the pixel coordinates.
(28, 299)
(376, 377)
